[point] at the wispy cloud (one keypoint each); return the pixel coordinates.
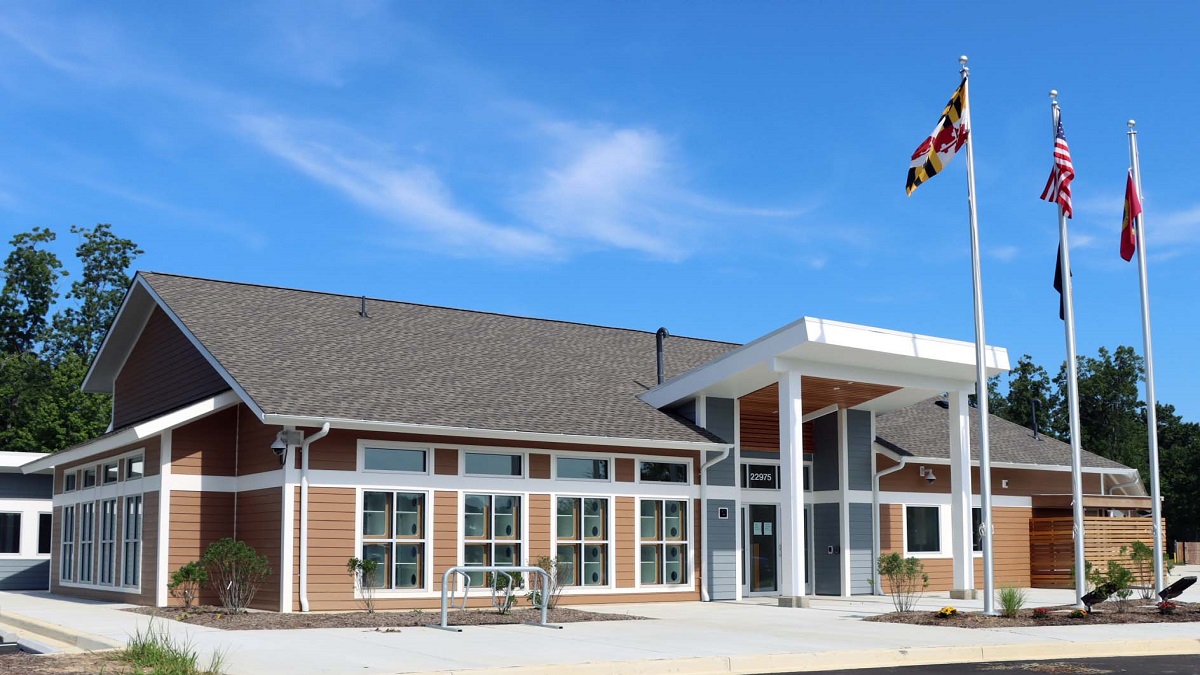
(1006, 253)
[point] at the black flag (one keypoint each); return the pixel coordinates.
(1058, 286)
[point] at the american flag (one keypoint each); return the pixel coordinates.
(1058, 186)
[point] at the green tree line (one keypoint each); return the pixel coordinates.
(1112, 424)
(48, 337)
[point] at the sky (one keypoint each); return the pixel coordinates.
(720, 169)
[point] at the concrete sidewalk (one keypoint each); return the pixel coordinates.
(719, 637)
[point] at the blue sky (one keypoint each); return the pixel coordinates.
(717, 168)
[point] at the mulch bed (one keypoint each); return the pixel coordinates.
(213, 617)
(21, 663)
(1137, 611)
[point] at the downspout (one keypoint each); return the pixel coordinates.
(304, 513)
(704, 596)
(877, 587)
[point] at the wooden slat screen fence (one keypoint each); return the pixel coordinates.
(1052, 548)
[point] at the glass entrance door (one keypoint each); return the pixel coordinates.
(763, 550)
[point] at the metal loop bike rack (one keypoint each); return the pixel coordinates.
(464, 571)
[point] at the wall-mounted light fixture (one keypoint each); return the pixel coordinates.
(283, 439)
(927, 474)
(1004, 483)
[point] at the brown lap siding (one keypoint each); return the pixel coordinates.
(207, 446)
(259, 514)
(197, 520)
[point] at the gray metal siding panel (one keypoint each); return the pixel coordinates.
(723, 472)
(722, 550)
(719, 418)
(24, 575)
(827, 567)
(862, 568)
(825, 454)
(858, 441)
(759, 454)
(21, 486)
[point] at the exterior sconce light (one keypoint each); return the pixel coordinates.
(1004, 483)
(927, 474)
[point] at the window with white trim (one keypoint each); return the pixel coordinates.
(89, 477)
(663, 539)
(45, 523)
(135, 467)
(67, 557)
(70, 480)
(10, 533)
(976, 524)
(492, 464)
(664, 472)
(393, 530)
(581, 527)
(108, 540)
(491, 532)
(87, 534)
(580, 468)
(922, 528)
(131, 555)
(406, 460)
(111, 473)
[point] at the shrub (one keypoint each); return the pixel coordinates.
(1142, 558)
(1122, 580)
(1012, 600)
(186, 582)
(946, 612)
(560, 575)
(906, 579)
(503, 587)
(236, 571)
(363, 570)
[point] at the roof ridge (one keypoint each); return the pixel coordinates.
(426, 305)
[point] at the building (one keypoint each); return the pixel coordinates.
(317, 427)
(25, 524)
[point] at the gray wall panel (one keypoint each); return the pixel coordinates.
(827, 567)
(825, 454)
(858, 441)
(722, 550)
(24, 574)
(21, 486)
(862, 568)
(719, 413)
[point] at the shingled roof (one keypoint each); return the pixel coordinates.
(920, 430)
(310, 354)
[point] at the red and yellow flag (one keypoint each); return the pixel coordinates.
(1133, 209)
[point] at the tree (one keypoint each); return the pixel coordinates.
(105, 258)
(31, 276)
(1029, 390)
(1179, 471)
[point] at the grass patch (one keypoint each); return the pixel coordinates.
(155, 652)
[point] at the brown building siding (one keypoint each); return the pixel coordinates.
(163, 372)
(259, 514)
(1011, 548)
(254, 443)
(197, 520)
(331, 515)
(445, 461)
(207, 446)
(541, 519)
(625, 546)
(1021, 482)
(445, 534)
(539, 465)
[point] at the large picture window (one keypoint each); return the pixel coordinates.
(67, 561)
(108, 540)
(581, 527)
(10, 533)
(87, 533)
(922, 528)
(491, 532)
(663, 538)
(393, 528)
(131, 555)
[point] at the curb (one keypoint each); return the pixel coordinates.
(842, 660)
(85, 641)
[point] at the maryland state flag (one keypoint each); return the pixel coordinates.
(1133, 209)
(948, 136)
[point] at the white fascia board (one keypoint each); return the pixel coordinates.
(133, 302)
(138, 432)
(859, 374)
(914, 459)
(406, 428)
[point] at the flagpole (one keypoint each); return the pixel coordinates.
(1151, 401)
(1072, 385)
(981, 388)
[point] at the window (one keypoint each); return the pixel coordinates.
(394, 459)
(10, 533)
(490, 464)
(45, 522)
(87, 533)
(135, 467)
(67, 562)
(89, 477)
(108, 540)
(491, 532)
(665, 472)
(69, 481)
(393, 527)
(111, 473)
(578, 468)
(581, 527)
(131, 557)
(976, 527)
(923, 529)
(663, 532)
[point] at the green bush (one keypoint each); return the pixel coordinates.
(236, 571)
(1122, 579)
(560, 575)
(906, 579)
(186, 582)
(1012, 600)
(363, 570)
(504, 587)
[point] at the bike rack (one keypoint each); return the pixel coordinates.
(465, 570)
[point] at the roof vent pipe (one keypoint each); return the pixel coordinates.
(1033, 407)
(362, 308)
(659, 337)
